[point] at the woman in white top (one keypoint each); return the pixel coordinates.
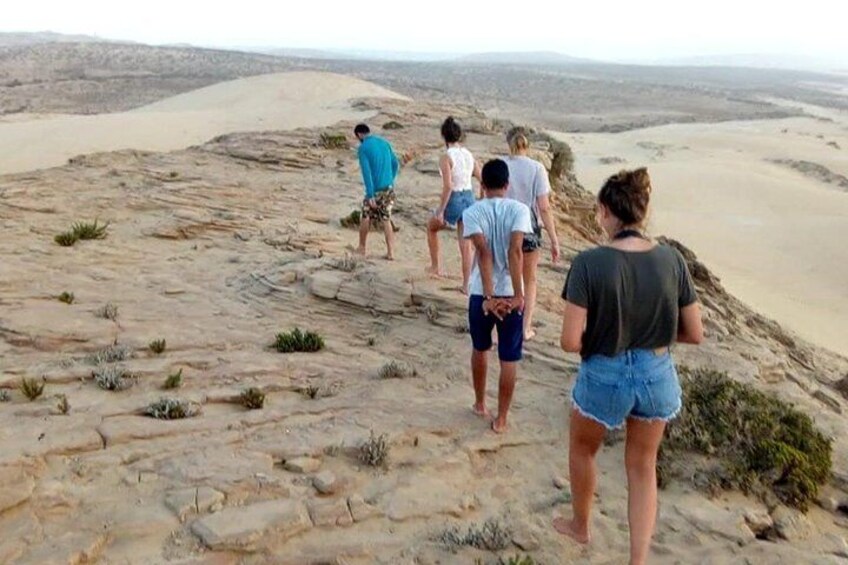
(457, 166)
(529, 184)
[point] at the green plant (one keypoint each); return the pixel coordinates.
(66, 297)
(89, 230)
(113, 377)
(110, 354)
(348, 263)
(352, 220)
(518, 560)
(172, 409)
(395, 370)
(297, 340)
(253, 398)
(63, 405)
(761, 444)
(492, 535)
(109, 311)
(174, 380)
(32, 388)
(375, 450)
(334, 141)
(66, 239)
(432, 312)
(157, 346)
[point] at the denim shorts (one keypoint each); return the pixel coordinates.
(510, 330)
(458, 202)
(638, 383)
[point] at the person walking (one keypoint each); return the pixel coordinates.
(380, 167)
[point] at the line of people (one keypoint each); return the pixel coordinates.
(627, 303)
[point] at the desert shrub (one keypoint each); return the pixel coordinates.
(352, 220)
(4, 395)
(174, 380)
(108, 311)
(89, 230)
(462, 327)
(761, 444)
(348, 263)
(432, 312)
(113, 377)
(392, 125)
(492, 535)
(334, 141)
(297, 340)
(63, 405)
(311, 391)
(157, 346)
(517, 560)
(252, 398)
(375, 450)
(396, 370)
(110, 354)
(66, 239)
(172, 409)
(66, 297)
(32, 388)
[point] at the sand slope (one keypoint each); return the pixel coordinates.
(266, 102)
(775, 235)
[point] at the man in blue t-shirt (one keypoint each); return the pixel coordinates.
(379, 167)
(496, 225)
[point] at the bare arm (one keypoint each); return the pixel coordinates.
(445, 169)
(478, 174)
(486, 263)
(573, 325)
(548, 221)
(690, 328)
(516, 268)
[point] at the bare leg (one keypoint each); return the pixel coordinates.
(364, 228)
(433, 228)
(389, 230)
(531, 263)
(640, 459)
(479, 369)
(466, 254)
(506, 387)
(585, 438)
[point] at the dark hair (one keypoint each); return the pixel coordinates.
(361, 129)
(626, 195)
(495, 175)
(451, 130)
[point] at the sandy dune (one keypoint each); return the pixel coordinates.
(775, 235)
(267, 102)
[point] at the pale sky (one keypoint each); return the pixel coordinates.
(588, 28)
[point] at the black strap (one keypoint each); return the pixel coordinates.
(629, 233)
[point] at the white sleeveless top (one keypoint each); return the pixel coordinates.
(462, 168)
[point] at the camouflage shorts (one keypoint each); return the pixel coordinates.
(382, 210)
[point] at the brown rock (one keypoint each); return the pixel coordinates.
(361, 510)
(330, 513)
(302, 465)
(242, 529)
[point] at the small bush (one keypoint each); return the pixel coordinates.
(518, 560)
(348, 263)
(109, 311)
(296, 340)
(174, 380)
(392, 125)
(157, 346)
(63, 405)
(66, 297)
(762, 444)
(32, 388)
(352, 220)
(432, 312)
(253, 398)
(89, 230)
(66, 239)
(113, 377)
(492, 535)
(395, 370)
(111, 354)
(375, 450)
(4, 395)
(311, 391)
(334, 141)
(172, 409)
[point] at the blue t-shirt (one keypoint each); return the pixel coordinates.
(378, 163)
(497, 219)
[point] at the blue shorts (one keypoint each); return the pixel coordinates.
(458, 202)
(638, 383)
(510, 330)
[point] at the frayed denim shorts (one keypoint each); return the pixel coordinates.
(638, 383)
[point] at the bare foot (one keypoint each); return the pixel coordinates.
(529, 334)
(360, 251)
(498, 425)
(567, 528)
(436, 273)
(388, 257)
(481, 411)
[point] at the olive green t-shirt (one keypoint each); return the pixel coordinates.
(633, 298)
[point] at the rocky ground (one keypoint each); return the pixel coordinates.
(215, 249)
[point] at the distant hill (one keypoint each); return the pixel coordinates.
(757, 60)
(34, 38)
(527, 58)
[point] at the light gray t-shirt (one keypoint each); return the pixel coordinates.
(528, 180)
(497, 219)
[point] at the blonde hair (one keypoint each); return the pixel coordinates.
(517, 139)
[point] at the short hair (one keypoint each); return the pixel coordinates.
(361, 129)
(451, 130)
(495, 175)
